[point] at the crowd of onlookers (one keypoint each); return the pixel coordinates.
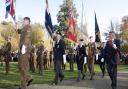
(124, 58)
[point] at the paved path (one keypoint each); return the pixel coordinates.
(98, 83)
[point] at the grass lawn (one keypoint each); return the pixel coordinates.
(13, 79)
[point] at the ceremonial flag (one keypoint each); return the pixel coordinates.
(72, 36)
(48, 21)
(72, 22)
(10, 9)
(72, 25)
(97, 31)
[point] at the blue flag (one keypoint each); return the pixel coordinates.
(8, 7)
(97, 31)
(48, 22)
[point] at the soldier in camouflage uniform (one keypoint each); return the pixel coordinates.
(91, 57)
(40, 58)
(7, 55)
(33, 59)
(24, 52)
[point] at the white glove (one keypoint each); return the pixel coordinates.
(53, 44)
(85, 60)
(102, 60)
(96, 56)
(23, 50)
(114, 46)
(64, 58)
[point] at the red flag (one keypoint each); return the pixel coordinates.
(72, 22)
(72, 36)
(71, 31)
(12, 10)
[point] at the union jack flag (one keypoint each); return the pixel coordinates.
(10, 9)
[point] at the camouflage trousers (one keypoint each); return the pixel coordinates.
(24, 70)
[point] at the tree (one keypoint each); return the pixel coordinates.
(7, 30)
(37, 33)
(124, 28)
(63, 14)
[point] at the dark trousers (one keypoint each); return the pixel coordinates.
(80, 65)
(112, 71)
(102, 67)
(58, 70)
(71, 66)
(7, 60)
(85, 68)
(71, 62)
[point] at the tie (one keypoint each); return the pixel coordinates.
(110, 42)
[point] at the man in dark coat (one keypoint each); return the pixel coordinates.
(59, 51)
(111, 52)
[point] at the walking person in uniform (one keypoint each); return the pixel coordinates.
(110, 54)
(91, 57)
(81, 53)
(7, 55)
(85, 60)
(101, 60)
(33, 59)
(45, 59)
(71, 58)
(40, 58)
(59, 51)
(24, 54)
(51, 58)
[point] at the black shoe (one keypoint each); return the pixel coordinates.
(114, 88)
(29, 82)
(78, 79)
(83, 77)
(61, 79)
(54, 83)
(91, 78)
(19, 88)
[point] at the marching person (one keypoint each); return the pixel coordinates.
(71, 58)
(91, 57)
(81, 53)
(111, 57)
(101, 60)
(32, 61)
(24, 52)
(40, 58)
(45, 59)
(51, 58)
(7, 55)
(59, 51)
